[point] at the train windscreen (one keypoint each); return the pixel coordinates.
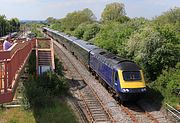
(131, 75)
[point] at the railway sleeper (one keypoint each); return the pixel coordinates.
(95, 108)
(97, 111)
(101, 119)
(96, 105)
(97, 118)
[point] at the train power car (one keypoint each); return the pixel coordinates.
(123, 77)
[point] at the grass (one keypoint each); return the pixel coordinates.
(59, 113)
(45, 98)
(16, 115)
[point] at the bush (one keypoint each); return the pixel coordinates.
(79, 31)
(58, 67)
(91, 31)
(87, 31)
(47, 86)
(154, 49)
(168, 83)
(113, 35)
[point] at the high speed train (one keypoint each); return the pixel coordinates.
(122, 76)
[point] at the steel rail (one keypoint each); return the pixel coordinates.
(110, 117)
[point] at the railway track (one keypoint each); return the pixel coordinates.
(137, 114)
(95, 111)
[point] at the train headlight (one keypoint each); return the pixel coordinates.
(143, 89)
(125, 90)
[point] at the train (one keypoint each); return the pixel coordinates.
(122, 77)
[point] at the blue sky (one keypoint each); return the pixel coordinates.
(41, 9)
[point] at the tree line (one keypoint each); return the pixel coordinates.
(152, 43)
(8, 26)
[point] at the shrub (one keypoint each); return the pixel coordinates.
(91, 31)
(154, 49)
(168, 83)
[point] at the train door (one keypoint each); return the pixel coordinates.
(115, 79)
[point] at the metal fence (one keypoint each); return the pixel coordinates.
(175, 113)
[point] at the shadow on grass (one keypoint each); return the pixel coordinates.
(47, 105)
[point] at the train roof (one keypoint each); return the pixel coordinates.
(113, 60)
(105, 56)
(128, 66)
(70, 38)
(54, 31)
(85, 45)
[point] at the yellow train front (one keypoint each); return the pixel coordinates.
(130, 83)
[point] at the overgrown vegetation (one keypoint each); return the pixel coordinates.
(46, 95)
(153, 44)
(168, 84)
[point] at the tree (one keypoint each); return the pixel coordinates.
(113, 35)
(50, 20)
(168, 84)
(15, 24)
(154, 49)
(4, 25)
(79, 31)
(91, 31)
(7, 26)
(74, 19)
(114, 12)
(172, 16)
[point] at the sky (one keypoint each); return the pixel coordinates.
(42, 9)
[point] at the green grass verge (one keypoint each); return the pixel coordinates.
(58, 113)
(16, 115)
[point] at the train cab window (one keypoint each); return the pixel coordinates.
(131, 75)
(102, 53)
(89, 43)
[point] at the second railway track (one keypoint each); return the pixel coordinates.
(137, 114)
(90, 102)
